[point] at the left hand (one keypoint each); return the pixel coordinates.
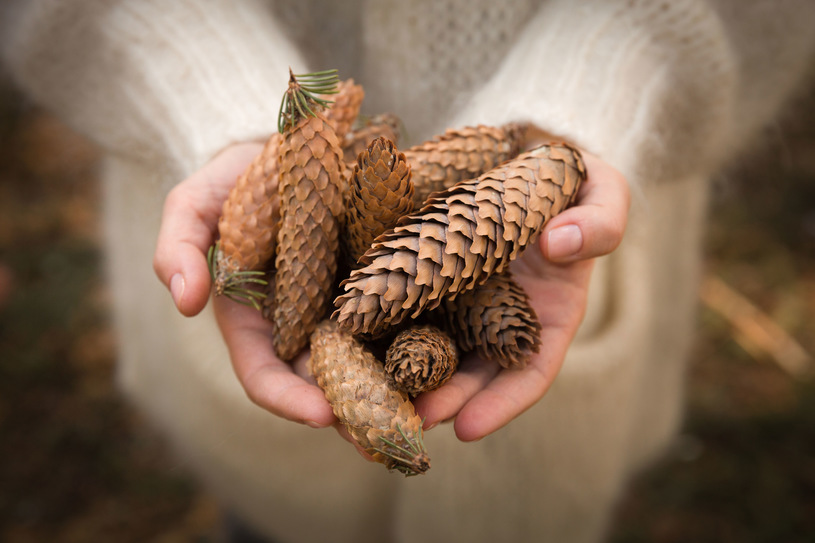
(481, 395)
(188, 228)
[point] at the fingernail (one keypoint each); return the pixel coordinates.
(431, 426)
(177, 288)
(313, 424)
(565, 241)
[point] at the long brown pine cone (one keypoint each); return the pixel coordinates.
(385, 125)
(495, 320)
(460, 154)
(420, 359)
(379, 194)
(311, 210)
(343, 111)
(459, 239)
(248, 224)
(380, 418)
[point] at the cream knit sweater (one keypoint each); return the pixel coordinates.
(663, 90)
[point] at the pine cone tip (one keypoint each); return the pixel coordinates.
(409, 460)
(230, 281)
(303, 96)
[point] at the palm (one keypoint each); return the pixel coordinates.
(189, 227)
(484, 397)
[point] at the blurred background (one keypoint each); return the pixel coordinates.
(78, 465)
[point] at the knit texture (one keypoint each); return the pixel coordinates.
(181, 92)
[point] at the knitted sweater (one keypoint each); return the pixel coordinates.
(663, 90)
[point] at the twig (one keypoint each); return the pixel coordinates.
(755, 331)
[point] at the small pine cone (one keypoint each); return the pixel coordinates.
(380, 418)
(420, 359)
(461, 237)
(311, 208)
(249, 220)
(379, 194)
(460, 154)
(385, 125)
(345, 107)
(495, 320)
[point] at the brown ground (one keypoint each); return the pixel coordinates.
(76, 464)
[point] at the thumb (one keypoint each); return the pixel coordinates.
(179, 260)
(596, 224)
(189, 224)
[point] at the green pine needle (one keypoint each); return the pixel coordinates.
(411, 461)
(234, 285)
(304, 97)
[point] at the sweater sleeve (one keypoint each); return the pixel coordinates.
(657, 88)
(161, 81)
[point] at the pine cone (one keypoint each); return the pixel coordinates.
(345, 107)
(248, 227)
(420, 359)
(379, 194)
(311, 208)
(385, 125)
(460, 154)
(461, 237)
(495, 320)
(381, 419)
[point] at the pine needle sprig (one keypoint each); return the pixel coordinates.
(235, 285)
(304, 96)
(412, 461)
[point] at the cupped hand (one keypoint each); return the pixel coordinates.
(188, 228)
(483, 397)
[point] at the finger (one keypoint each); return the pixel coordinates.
(558, 298)
(514, 391)
(595, 226)
(185, 235)
(343, 431)
(444, 403)
(268, 381)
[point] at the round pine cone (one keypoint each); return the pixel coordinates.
(495, 320)
(421, 358)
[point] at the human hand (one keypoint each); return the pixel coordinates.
(481, 395)
(188, 228)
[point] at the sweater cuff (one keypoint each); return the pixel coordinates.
(167, 81)
(628, 81)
